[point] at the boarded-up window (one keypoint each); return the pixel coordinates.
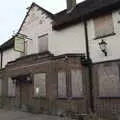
(11, 87)
(103, 25)
(62, 90)
(76, 81)
(109, 83)
(43, 43)
(40, 85)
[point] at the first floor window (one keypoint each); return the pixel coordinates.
(62, 90)
(109, 83)
(43, 43)
(103, 25)
(40, 84)
(11, 87)
(76, 83)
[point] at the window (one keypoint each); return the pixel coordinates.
(43, 43)
(76, 82)
(103, 25)
(11, 87)
(40, 85)
(25, 49)
(62, 90)
(109, 83)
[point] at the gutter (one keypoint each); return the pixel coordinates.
(89, 65)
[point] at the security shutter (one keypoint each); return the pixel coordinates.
(109, 83)
(103, 25)
(11, 87)
(76, 81)
(40, 84)
(62, 92)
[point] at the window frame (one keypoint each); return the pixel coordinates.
(98, 91)
(62, 97)
(39, 50)
(82, 92)
(104, 34)
(13, 88)
(34, 86)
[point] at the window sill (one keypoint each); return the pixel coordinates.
(70, 98)
(11, 96)
(104, 36)
(108, 97)
(43, 98)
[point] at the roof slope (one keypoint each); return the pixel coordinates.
(8, 44)
(84, 10)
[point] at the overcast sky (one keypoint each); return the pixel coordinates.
(12, 13)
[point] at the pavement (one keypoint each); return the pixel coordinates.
(17, 115)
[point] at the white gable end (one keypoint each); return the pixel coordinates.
(36, 24)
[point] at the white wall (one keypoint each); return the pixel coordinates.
(69, 40)
(113, 42)
(33, 28)
(9, 55)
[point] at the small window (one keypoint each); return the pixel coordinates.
(11, 87)
(25, 49)
(62, 90)
(103, 25)
(76, 82)
(40, 85)
(43, 43)
(109, 83)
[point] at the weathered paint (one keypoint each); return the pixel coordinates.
(9, 55)
(36, 24)
(112, 41)
(69, 40)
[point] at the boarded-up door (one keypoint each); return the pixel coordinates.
(25, 95)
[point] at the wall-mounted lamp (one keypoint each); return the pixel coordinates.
(103, 47)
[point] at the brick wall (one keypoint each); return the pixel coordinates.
(51, 103)
(106, 105)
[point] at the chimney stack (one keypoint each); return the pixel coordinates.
(71, 4)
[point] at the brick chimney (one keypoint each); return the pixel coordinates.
(71, 4)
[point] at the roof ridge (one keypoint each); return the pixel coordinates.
(34, 3)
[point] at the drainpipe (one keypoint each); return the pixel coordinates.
(1, 58)
(89, 64)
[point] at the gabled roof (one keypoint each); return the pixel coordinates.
(83, 11)
(32, 5)
(10, 43)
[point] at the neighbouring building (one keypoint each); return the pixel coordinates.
(64, 68)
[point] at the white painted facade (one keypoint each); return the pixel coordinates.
(36, 24)
(9, 55)
(113, 42)
(72, 40)
(69, 40)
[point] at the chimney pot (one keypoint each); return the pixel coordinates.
(71, 4)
